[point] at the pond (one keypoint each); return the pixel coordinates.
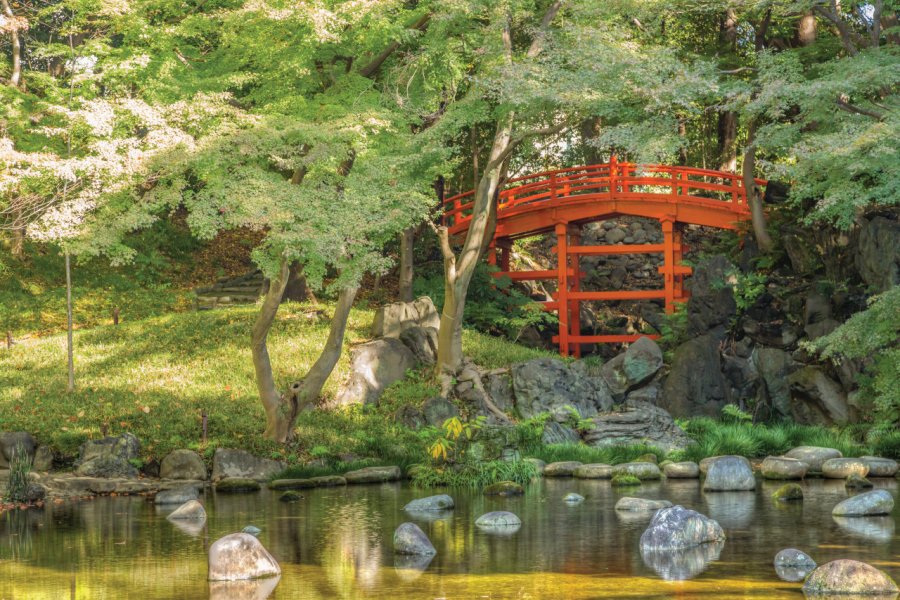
(336, 543)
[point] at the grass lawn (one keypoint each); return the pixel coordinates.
(154, 378)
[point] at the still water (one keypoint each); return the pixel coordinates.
(336, 543)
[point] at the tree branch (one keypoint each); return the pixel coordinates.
(370, 69)
(842, 27)
(516, 140)
(843, 104)
(537, 44)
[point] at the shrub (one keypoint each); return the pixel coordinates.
(887, 444)
(611, 455)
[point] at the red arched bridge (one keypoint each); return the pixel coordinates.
(562, 201)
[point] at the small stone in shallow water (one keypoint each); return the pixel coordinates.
(190, 510)
(561, 469)
(593, 471)
(439, 502)
(573, 498)
(791, 557)
(814, 456)
(878, 502)
(252, 530)
(681, 470)
(881, 467)
(641, 504)
(240, 556)
(857, 482)
(780, 467)
(237, 485)
(498, 518)
(410, 539)
(849, 577)
(290, 496)
(641, 470)
(789, 492)
(504, 488)
(841, 468)
(729, 474)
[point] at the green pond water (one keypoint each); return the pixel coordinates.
(336, 543)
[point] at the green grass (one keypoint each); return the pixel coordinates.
(610, 455)
(473, 475)
(493, 352)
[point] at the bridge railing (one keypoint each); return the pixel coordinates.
(611, 181)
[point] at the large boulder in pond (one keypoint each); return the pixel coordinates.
(681, 470)
(842, 468)
(729, 474)
(410, 539)
(814, 456)
(636, 422)
(374, 366)
(239, 463)
(109, 457)
(876, 502)
(593, 471)
(676, 527)
(881, 467)
(848, 577)
(780, 467)
(439, 502)
(628, 503)
(392, 319)
(550, 385)
(191, 510)
(632, 368)
(182, 464)
(240, 556)
(565, 468)
(641, 470)
(176, 495)
(12, 442)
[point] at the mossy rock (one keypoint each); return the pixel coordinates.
(649, 457)
(237, 485)
(789, 492)
(857, 482)
(292, 484)
(290, 496)
(666, 462)
(504, 488)
(625, 480)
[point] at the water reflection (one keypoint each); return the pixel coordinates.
(793, 574)
(256, 589)
(410, 567)
(873, 528)
(679, 565)
(430, 515)
(193, 527)
(733, 510)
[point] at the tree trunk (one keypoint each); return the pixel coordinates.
(407, 242)
(70, 346)
(15, 78)
(806, 29)
(727, 141)
(269, 395)
(754, 198)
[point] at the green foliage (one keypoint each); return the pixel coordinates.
(452, 446)
(674, 330)
(872, 334)
(492, 352)
(747, 287)
(624, 480)
(493, 305)
(733, 413)
(337, 467)
(714, 438)
(473, 475)
(611, 455)
(887, 444)
(19, 468)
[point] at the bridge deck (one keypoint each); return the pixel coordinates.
(563, 200)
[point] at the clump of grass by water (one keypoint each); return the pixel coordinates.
(611, 455)
(19, 468)
(473, 475)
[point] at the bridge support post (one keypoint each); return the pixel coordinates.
(678, 240)
(575, 305)
(504, 246)
(668, 229)
(562, 285)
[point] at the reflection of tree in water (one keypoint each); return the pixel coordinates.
(350, 547)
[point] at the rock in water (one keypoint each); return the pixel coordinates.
(877, 502)
(842, 468)
(237, 485)
(561, 469)
(729, 474)
(682, 470)
(573, 498)
(849, 577)
(290, 496)
(439, 502)
(779, 467)
(109, 457)
(240, 556)
(814, 456)
(641, 504)
(593, 471)
(641, 470)
(791, 557)
(677, 527)
(373, 475)
(788, 492)
(410, 539)
(878, 467)
(176, 496)
(855, 482)
(504, 488)
(252, 530)
(182, 464)
(682, 564)
(190, 510)
(498, 518)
